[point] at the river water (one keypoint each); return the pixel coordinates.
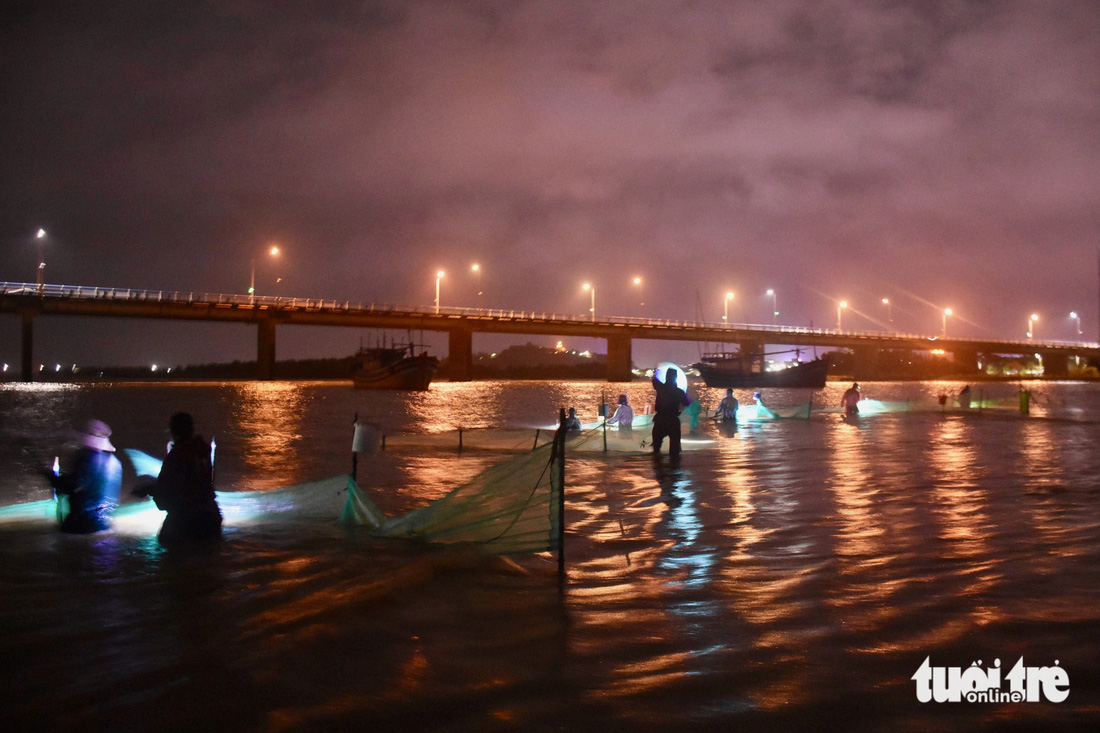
(794, 576)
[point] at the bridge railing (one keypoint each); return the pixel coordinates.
(496, 314)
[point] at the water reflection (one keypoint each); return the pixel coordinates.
(267, 419)
(959, 499)
(855, 494)
(796, 571)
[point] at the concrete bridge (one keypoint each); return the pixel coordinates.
(30, 301)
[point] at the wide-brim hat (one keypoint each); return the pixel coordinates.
(95, 436)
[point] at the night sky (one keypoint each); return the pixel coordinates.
(939, 154)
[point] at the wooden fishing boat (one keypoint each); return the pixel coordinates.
(746, 371)
(396, 367)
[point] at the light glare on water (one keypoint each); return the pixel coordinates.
(792, 576)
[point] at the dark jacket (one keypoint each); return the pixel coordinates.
(185, 490)
(670, 399)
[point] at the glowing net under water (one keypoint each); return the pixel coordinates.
(512, 507)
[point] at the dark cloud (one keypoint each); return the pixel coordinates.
(945, 149)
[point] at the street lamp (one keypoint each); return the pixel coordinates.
(476, 268)
(274, 251)
(40, 269)
(1074, 316)
(842, 304)
(641, 293)
(726, 307)
(946, 313)
(1031, 325)
(889, 310)
(775, 306)
(592, 310)
(438, 277)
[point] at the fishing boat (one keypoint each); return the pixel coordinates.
(393, 367)
(747, 371)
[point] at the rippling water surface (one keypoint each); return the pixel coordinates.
(793, 576)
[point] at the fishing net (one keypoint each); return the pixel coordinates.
(512, 507)
(869, 406)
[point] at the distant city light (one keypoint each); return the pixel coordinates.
(154, 367)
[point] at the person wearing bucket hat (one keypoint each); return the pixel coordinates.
(92, 482)
(185, 487)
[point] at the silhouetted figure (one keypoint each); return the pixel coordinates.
(666, 419)
(572, 422)
(1025, 401)
(727, 408)
(92, 482)
(185, 487)
(964, 398)
(624, 415)
(850, 400)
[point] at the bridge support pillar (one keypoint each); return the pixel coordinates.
(619, 359)
(460, 354)
(967, 361)
(752, 353)
(265, 349)
(1055, 364)
(866, 362)
(28, 346)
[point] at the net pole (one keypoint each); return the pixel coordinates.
(354, 455)
(559, 449)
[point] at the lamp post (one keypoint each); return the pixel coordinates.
(726, 307)
(946, 313)
(839, 306)
(1074, 316)
(438, 277)
(274, 251)
(641, 293)
(40, 266)
(1031, 326)
(592, 310)
(476, 269)
(889, 310)
(775, 306)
